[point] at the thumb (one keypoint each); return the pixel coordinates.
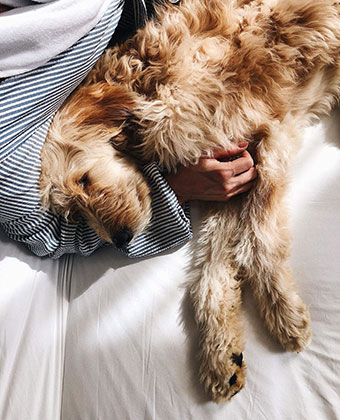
(234, 150)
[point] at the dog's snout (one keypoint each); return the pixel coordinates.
(122, 237)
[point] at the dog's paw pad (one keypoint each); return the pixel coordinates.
(233, 379)
(225, 380)
(237, 359)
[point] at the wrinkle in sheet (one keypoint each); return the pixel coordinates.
(314, 397)
(98, 335)
(150, 400)
(33, 327)
(15, 357)
(64, 291)
(111, 333)
(147, 342)
(149, 377)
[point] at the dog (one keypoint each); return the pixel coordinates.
(202, 76)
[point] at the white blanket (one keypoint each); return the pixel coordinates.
(110, 338)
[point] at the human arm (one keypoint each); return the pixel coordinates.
(214, 178)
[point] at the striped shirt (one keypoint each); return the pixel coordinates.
(28, 103)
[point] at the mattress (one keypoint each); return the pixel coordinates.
(111, 338)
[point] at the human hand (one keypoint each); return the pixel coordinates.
(214, 178)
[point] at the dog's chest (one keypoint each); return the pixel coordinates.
(199, 61)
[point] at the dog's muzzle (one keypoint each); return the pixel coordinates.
(122, 237)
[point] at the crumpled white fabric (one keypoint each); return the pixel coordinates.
(110, 338)
(34, 32)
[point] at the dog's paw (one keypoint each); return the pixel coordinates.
(292, 326)
(296, 332)
(223, 375)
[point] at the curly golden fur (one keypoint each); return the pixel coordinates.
(78, 177)
(202, 76)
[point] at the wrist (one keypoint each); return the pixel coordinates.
(172, 180)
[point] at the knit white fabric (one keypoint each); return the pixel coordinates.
(35, 31)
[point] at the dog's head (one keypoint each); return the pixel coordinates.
(84, 176)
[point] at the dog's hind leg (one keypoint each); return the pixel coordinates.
(216, 297)
(264, 244)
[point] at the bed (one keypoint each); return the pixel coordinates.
(111, 338)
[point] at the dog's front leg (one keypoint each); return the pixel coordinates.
(264, 245)
(216, 297)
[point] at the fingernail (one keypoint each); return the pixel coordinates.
(243, 144)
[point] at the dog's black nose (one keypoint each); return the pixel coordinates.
(122, 237)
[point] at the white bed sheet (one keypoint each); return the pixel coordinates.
(111, 338)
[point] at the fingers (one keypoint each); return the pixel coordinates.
(241, 189)
(231, 186)
(215, 180)
(232, 151)
(229, 169)
(240, 165)
(240, 183)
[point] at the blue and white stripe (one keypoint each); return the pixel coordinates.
(27, 105)
(170, 224)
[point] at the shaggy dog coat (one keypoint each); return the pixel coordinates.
(206, 74)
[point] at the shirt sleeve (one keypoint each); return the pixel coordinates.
(28, 103)
(170, 223)
(47, 234)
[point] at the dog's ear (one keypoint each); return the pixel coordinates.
(54, 198)
(104, 104)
